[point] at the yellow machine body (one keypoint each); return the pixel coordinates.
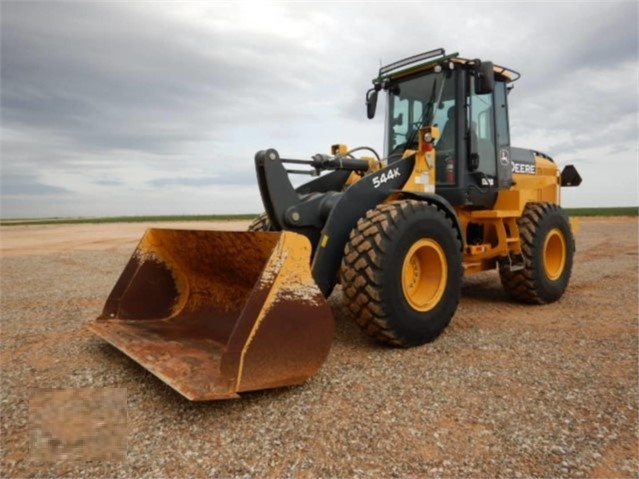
(214, 314)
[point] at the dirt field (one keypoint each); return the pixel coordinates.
(509, 390)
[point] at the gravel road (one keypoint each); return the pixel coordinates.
(508, 390)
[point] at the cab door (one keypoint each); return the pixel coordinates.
(488, 168)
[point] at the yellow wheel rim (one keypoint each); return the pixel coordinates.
(424, 274)
(554, 254)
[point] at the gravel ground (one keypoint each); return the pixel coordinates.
(508, 390)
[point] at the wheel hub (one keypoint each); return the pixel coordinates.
(424, 274)
(554, 254)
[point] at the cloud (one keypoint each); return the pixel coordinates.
(28, 186)
(233, 178)
(90, 73)
(102, 98)
(108, 182)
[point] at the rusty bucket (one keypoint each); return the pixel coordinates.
(216, 313)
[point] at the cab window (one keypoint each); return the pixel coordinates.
(482, 131)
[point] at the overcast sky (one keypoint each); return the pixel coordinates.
(131, 108)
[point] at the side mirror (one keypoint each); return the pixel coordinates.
(484, 77)
(371, 103)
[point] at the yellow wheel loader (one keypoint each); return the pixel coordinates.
(214, 314)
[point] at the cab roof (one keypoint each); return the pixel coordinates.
(424, 61)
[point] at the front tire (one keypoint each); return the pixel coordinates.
(547, 246)
(401, 272)
(260, 223)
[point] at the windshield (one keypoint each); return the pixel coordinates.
(413, 103)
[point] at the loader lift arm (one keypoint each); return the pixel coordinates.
(326, 217)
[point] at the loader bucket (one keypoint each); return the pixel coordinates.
(216, 313)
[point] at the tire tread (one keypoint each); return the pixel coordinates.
(362, 278)
(524, 285)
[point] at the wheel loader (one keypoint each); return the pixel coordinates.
(215, 314)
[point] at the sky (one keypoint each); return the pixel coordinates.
(157, 108)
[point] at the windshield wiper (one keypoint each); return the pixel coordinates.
(428, 116)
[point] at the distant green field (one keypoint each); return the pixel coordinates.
(618, 211)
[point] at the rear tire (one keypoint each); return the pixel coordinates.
(260, 223)
(401, 272)
(547, 246)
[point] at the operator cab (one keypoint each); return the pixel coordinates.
(467, 101)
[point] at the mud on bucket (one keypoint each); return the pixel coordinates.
(215, 313)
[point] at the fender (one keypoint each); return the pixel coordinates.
(442, 203)
(352, 205)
